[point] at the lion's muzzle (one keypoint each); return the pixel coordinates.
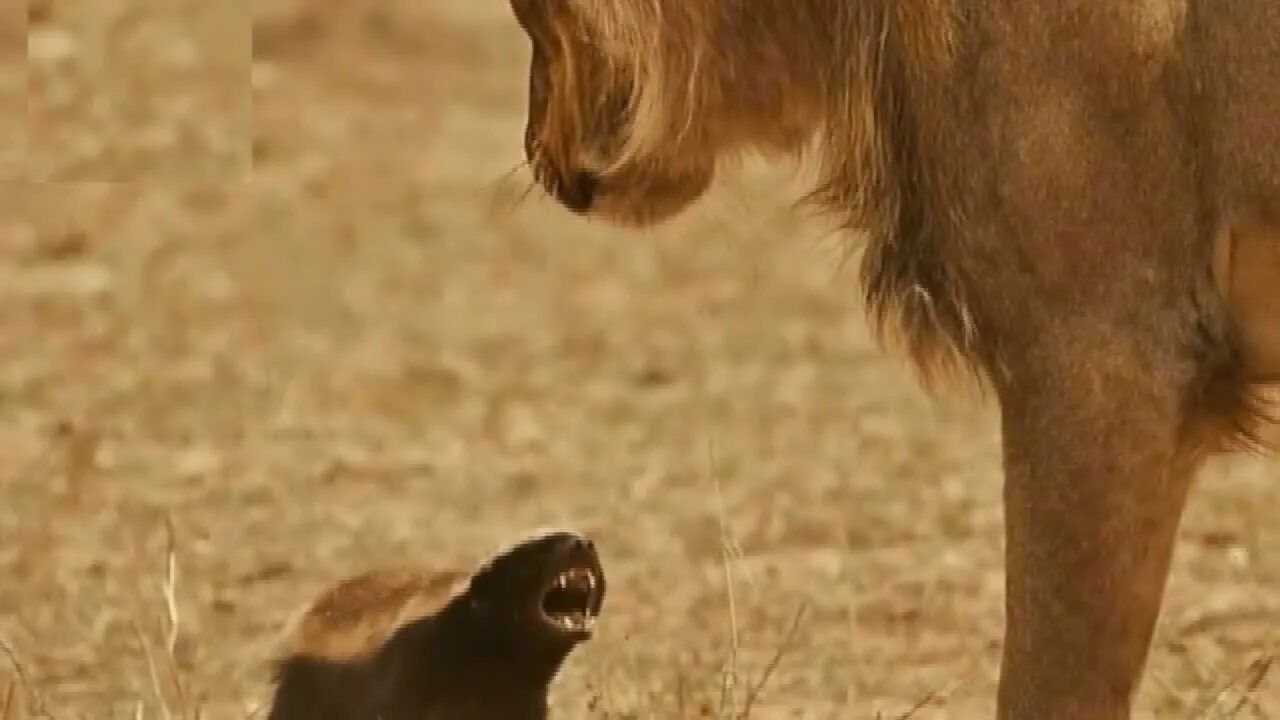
(577, 191)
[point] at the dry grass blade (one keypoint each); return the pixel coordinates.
(8, 701)
(729, 678)
(1257, 672)
(1253, 676)
(922, 704)
(169, 589)
(753, 694)
(154, 672)
(934, 696)
(25, 679)
(17, 665)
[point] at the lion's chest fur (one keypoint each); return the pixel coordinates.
(1120, 150)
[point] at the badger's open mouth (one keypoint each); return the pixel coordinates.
(573, 600)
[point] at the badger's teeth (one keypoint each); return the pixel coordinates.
(577, 577)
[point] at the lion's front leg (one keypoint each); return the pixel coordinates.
(1096, 476)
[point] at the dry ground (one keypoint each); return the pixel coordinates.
(294, 310)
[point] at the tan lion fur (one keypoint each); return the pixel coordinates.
(857, 84)
(1076, 201)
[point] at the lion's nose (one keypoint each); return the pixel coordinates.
(578, 190)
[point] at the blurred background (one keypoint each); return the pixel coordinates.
(277, 306)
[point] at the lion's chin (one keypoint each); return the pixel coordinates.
(647, 203)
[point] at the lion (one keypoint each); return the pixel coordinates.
(1077, 203)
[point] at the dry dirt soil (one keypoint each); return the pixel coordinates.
(275, 308)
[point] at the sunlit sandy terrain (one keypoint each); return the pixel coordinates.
(298, 311)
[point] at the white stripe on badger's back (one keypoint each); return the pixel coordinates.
(353, 618)
(356, 616)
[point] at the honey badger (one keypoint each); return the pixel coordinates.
(409, 645)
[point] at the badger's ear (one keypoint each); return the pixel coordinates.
(479, 598)
(485, 588)
(480, 585)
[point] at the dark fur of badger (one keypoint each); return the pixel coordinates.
(408, 645)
